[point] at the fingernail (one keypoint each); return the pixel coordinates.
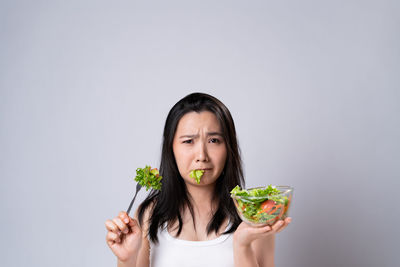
(125, 231)
(289, 219)
(126, 220)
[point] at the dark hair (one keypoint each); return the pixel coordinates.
(168, 203)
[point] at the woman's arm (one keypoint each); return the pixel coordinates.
(244, 256)
(255, 246)
(264, 250)
(143, 259)
(259, 253)
(128, 263)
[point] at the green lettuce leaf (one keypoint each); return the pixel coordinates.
(196, 174)
(149, 178)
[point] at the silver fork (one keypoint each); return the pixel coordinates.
(138, 187)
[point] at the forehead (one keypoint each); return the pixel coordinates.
(195, 121)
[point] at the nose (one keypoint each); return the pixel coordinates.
(202, 155)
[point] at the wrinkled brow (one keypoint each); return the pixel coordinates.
(196, 135)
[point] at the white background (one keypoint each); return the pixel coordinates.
(313, 87)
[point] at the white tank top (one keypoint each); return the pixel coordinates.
(173, 252)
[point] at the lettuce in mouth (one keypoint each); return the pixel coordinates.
(196, 174)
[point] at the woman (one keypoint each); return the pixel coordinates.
(191, 224)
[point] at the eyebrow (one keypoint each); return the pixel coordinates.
(196, 135)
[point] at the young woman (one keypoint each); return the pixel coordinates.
(191, 224)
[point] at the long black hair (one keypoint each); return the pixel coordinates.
(169, 203)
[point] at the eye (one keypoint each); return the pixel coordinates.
(215, 140)
(189, 141)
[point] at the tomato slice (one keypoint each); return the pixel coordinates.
(267, 205)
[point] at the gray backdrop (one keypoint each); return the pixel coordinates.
(86, 86)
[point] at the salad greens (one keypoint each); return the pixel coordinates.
(260, 205)
(196, 174)
(148, 177)
(256, 192)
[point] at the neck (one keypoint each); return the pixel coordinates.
(201, 197)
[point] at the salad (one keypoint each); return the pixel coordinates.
(196, 174)
(148, 177)
(262, 205)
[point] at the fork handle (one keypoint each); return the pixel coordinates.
(130, 205)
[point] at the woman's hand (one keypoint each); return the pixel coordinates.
(124, 237)
(246, 234)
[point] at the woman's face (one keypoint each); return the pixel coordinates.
(198, 144)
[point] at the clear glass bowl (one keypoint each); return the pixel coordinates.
(261, 211)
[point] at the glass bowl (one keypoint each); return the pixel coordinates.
(264, 210)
